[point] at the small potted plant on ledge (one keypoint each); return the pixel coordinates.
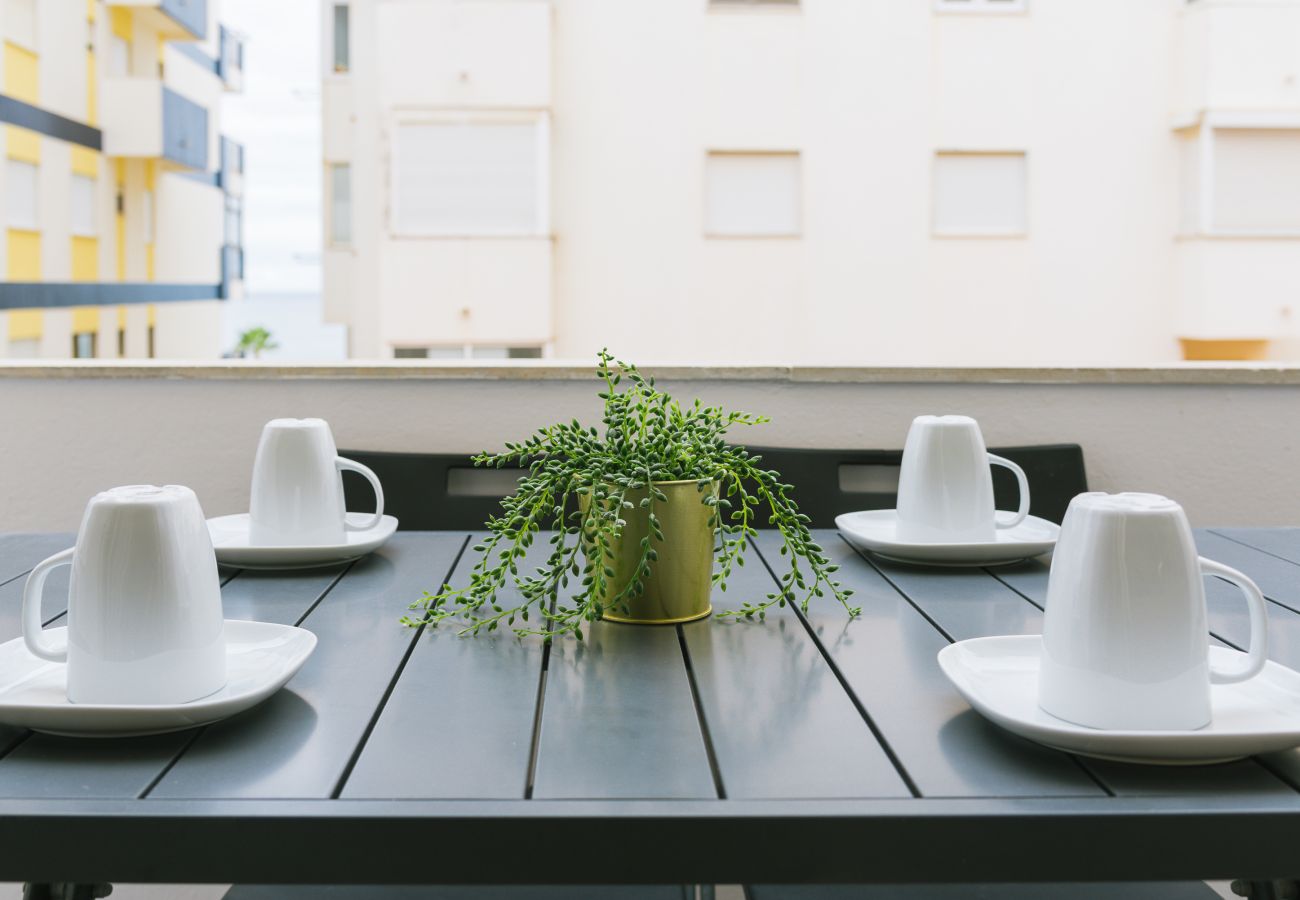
(645, 518)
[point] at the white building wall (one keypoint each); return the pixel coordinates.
(867, 92)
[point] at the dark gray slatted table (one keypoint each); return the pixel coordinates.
(804, 749)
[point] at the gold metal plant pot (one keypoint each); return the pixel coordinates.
(681, 580)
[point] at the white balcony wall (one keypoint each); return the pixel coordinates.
(1175, 431)
(465, 53)
(470, 290)
(189, 233)
(1239, 54)
(1231, 288)
(131, 113)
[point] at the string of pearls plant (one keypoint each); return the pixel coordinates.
(648, 437)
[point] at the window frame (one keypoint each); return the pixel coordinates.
(90, 228)
(1202, 131)
(796, 234)
(976, 233)
(30, 222)
(541, 227)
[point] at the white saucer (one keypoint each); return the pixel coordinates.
(260, 658)
(998, 676)
(230, 540)
(876, 531)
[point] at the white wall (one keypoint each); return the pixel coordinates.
(867, 92)
(1225, 449)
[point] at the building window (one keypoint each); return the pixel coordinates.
(1256, 181)
(149, 342)
(342, 48)
(980, 6)
(340, 204)
(753, 195)
(467, 351)
(20, 189)
(469, 178)
(83, 345)
(83, 206)
(121, 342)
(979, 194)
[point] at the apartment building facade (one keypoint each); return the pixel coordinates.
(123, 201)
(814, 181)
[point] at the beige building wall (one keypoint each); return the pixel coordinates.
(973, 182)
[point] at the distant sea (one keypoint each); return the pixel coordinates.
(294, 321)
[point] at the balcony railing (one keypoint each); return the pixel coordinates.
(142, 118)
(1176, 430)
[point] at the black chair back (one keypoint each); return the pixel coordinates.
(443, 491)
(830, 482)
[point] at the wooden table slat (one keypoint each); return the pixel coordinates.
(300, 742)
(619, 719)
(1281, 542)
(459, 723)
(780, 721)
(888, 658)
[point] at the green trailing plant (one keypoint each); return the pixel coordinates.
(648, 437)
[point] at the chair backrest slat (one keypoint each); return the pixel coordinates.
(441, 491)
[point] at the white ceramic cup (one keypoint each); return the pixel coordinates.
(144, 604)
(297, 493)
(945, 487)
(1125, 642)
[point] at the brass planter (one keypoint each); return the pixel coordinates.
(681, 580)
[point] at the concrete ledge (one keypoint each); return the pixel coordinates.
(1207, 373)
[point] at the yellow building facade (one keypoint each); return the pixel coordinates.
(122, 201)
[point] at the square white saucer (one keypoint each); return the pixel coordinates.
(260, 658)
(230, 541)
(998, 676)
(876, 531)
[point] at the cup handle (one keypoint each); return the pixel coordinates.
(37, 644)
(1258, 652)
(348, 464)
(1023, 483)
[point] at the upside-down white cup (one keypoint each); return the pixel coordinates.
(297, 492)
(945, 487)
(1125, 642)
(144, 604)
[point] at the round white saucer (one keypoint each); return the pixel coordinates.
(230, 540)
(876, 531)
(260, 658)
(998, 676)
